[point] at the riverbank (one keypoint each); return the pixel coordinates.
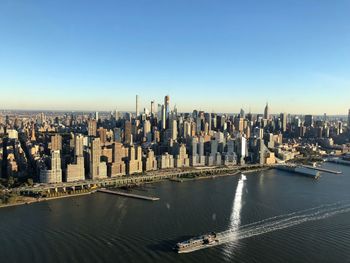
(185, 179)
(201, 177)
(132, 181)
(32, 200)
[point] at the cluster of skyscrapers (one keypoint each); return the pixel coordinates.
(56, 147)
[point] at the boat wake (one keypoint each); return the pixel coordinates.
(283, 221)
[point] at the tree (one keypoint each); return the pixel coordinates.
(10, 181)
(30, 182)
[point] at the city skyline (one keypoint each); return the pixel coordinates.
(217, 58)
(147, 106)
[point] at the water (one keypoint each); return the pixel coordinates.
(269, 216)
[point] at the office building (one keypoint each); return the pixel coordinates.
(137, 112)
(267, 112)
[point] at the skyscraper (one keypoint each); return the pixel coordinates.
(137, 106)
(163, 123)
(167, 105)
(266, 112)
(127, 132)
(173, 130)
(349, 119)
(152, 107)
(308, 120)
(283, 117)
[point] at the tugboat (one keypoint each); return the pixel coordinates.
(197, 243)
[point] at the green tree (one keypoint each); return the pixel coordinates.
(10, 181)
(30, 182)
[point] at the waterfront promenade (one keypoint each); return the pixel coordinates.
(48, 190)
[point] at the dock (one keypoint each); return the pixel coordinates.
(148, 198)
(312, 173)
(322, 169)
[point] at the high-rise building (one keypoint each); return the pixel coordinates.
(32, 137)
(163, 120)
(127, 132)
(242, 114)
(283, 117)
(308, 120)
(267, 112)
(135, 160)
(118, 167)
(98, 169)
(76, 172)
(56, 143)
(174, 130)
(167, 105)
(53, 175)
(239, 124)
(116, 114)
(152, 108)
(214, 157)
(150, 161)
(79, 145)
(96, 116)
(147, 130)
(340, 128)
(349, 119)
(182, 160)
(92, 127)
(137, 106)
(102, 133)
(242, 149)
(197, 149)
(165, 161)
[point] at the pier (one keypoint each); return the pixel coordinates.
(305, 171)
(148, 198)
(322, 169)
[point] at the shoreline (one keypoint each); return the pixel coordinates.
(39, 200)
(233, 172)
(184, 179)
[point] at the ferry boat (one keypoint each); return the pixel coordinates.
(197, 243)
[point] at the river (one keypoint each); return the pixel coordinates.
(267, 216)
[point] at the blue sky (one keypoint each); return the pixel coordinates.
(212, 55)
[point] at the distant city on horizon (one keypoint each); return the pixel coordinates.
(153, 103)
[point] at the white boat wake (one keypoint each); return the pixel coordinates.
(283, 221)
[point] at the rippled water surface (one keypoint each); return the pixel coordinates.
(270, 216)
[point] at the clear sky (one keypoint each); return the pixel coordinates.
(217, 55)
